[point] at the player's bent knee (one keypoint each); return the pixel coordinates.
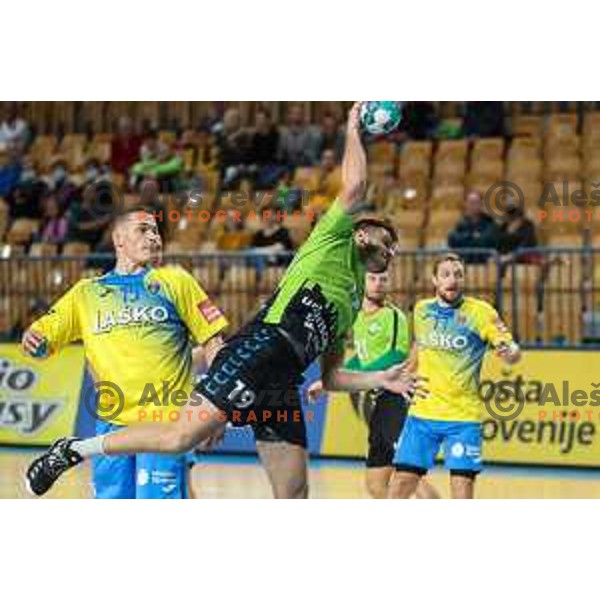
(377, 488)
(404, 483)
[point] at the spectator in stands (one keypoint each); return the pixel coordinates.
(54, 225)
(232, 142)
(168, 169)
(298, 142)
(59, 181)
(419, 120)
(331, 136)
(232, 233)
(517, 233)
(273, 237)
(159, 164)
(92, 171)
(288, 197)
(14, 129)
(326, 183)
(484, 119)
(475, 230)
(262, 151)
(89, 219)
(10, 173)
(26, 199)
(125, 147)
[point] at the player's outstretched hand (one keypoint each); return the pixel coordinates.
(34, 344)
(399, 380)
(315, 390)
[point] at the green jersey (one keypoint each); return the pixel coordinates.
(321, 293)
(380, 339)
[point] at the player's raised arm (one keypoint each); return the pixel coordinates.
(354, 164)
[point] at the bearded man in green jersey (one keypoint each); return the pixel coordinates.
(381, 339)
(254, 379)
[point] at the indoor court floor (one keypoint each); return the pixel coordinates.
(242, 477)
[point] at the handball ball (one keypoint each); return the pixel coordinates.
(380, 118)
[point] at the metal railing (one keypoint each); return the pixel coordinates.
(548, 296)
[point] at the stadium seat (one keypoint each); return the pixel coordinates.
(447, 170)
(481, 278)
(527, 125)
(522, 277)
(443, 220)
(526, 167)
(564, 238)
(562, 317)
(76, 249)
(487, 149)
(492, 170)
(454, 149)
(562, 168)
(416, 151)
(269, 279)
(525, 147)
(4, 217)
(408, 239)
(239, 278)
(520, 312)
(436, 239)
(409, 219)
(562, 125)
(449, 196)
(382, 153)
(208, 275)
(21, 231)
(237, 307)
(41, 249)
(563, 272)
(414, 168)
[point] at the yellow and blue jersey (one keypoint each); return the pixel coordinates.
(138, 331)
(451, 344)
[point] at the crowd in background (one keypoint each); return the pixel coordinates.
(264, 155)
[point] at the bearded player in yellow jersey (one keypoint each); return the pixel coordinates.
(452, 333)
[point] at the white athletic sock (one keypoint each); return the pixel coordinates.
(89, 447)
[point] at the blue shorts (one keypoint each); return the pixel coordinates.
(141, 476)
(421, 440)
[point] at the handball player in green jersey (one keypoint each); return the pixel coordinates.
(254, 379)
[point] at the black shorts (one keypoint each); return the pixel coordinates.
(254, 380)
(385, 425)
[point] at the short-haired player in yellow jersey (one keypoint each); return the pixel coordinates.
(452, 333)
(138, 324)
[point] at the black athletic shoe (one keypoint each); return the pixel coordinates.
(45, 470)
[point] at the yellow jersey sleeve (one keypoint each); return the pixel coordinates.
(491, 327)
(201, 316)
(61, 324)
